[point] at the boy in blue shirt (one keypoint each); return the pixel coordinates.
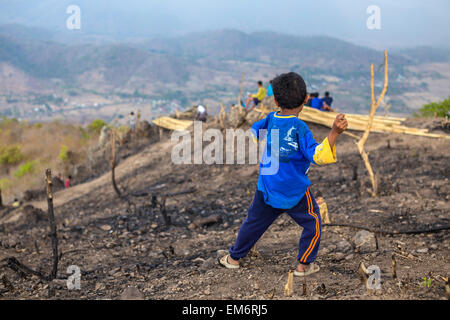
(327, 99)
(290, 148)
(316, 102)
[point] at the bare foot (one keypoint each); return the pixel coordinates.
(230, 260)
(302, 267)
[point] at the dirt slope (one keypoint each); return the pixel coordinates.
(117, 245)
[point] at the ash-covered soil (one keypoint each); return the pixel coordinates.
(118, 245)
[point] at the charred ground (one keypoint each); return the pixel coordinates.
(117, 245)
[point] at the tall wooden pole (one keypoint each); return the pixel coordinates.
(51, 219)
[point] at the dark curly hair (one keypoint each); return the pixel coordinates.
(289, 90)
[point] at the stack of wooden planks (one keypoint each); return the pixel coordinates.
(358, 122)
(172, 124)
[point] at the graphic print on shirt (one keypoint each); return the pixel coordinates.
(288, 144)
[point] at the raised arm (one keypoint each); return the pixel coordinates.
(340, 125)
(325, 152)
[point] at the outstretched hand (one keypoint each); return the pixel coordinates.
(340, 124)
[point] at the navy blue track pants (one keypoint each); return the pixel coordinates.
(261, 216)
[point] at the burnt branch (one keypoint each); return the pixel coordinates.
(394, 267)
(113, 164)
(25, 271)
(162, 208)
(51, 220)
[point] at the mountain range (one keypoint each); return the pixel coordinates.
(206, 66)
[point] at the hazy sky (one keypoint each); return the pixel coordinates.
(403, 22)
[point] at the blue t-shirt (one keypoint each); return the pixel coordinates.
(284, 182)
(317, 103)
(328, 101)
(269, 90)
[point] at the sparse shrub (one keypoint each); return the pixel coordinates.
(123, 129)
(4, 184)
(84, 135)
(427, 282)
(64, 154)
(435, 109)
(122, 132)
(38, 125)
(10, 155)
(27, 167)
(7, 121)
(96, 126)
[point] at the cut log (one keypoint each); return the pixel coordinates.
(363, 274)
(323, 210)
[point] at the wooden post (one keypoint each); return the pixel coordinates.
(447, 288)
(222, 116)
(305, 287)
(394, 267)
(289, 287)
(160, 129)
(241, 89)
(363, 276)
(113, 163)
(162, 209)
(51, 219)
(138, 121)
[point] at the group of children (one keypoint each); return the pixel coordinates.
(322, 104)
(288, 188)
(67, 182)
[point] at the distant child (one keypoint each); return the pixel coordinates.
(316, 102)
(287, 189)
(201, 113)
(132, 120)
(270, 89)
(68, 181)
(256, 98)
(327, 101)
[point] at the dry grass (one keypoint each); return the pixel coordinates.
(40, 145)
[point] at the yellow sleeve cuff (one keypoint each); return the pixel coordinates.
(324, 154)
